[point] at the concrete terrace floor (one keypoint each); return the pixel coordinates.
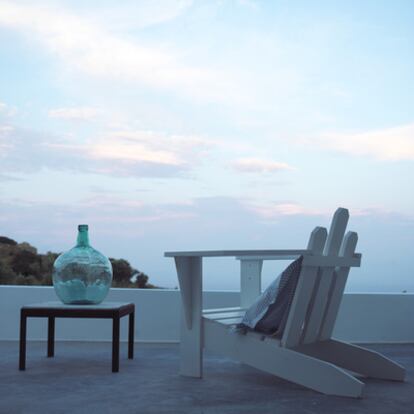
(79, 380)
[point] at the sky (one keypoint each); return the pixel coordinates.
(221, 124)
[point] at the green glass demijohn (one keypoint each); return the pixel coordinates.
(82, 276)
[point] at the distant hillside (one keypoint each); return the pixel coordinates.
(20, 264)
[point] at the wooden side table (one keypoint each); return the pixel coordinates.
(53, 310)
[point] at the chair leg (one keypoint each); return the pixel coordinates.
(283, 362)
(355, 358)
(189, 270)
(302, 369)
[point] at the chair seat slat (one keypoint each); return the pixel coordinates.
(223, 310)
(222, 316)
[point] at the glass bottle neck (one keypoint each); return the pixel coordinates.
(83, 237)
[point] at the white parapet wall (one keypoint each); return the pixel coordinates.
(363, 317)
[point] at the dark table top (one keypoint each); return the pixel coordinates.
(60, 305)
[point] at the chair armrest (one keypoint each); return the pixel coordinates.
(312, 260)
(278, 257)
(274, 254)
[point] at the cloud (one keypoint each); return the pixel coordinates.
(5, 178)
(134, 217)
(257, 165)
(104, 210)
(7, 110)
(390, 144)
(251, 4)
(141, 232)
(5, 134)
(272, 211)
(87, 46)
(117, 153)
(149, 146)
(131, 152)
(130, 14)
(74, 113)
(129, 149)
(275, 210)
(26, 151)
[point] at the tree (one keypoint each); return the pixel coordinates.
(26, 263)
(122, 270)
(21, 264)
(142, 280)
(6, 240)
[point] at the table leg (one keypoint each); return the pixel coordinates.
(22, 354)
(131, 329)
(51, 337)
(115, 344)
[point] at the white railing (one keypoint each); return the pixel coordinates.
(363, 317)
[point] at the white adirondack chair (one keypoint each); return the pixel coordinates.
(306, 354)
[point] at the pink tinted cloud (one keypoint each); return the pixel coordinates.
(118, 153)
(258, 165)
(388, 144)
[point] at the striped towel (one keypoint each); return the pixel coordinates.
(270, 311)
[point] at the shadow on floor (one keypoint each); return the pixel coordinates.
(79, 380)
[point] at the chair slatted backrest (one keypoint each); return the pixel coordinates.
(325, 277)
(306, 283)
(319, 291)
(338, 287)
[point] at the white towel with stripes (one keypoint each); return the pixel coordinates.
(270, 311)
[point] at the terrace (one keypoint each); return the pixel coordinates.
(208, 125)
(79, 378)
